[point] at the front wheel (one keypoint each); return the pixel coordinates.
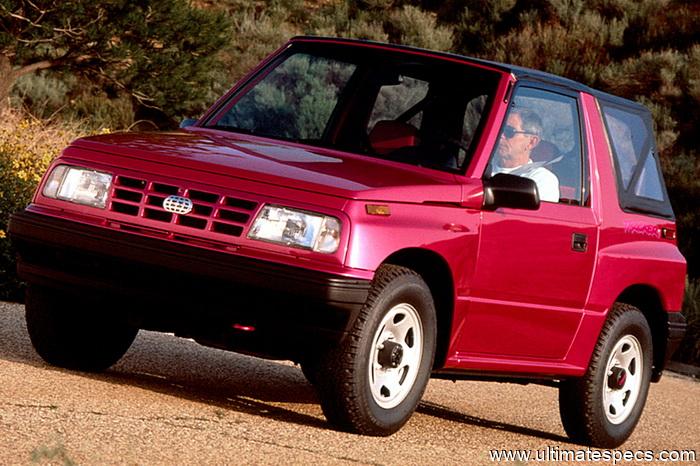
(603, 407)
(372, 382)
(75, 332)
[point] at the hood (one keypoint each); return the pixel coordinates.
(283, 164)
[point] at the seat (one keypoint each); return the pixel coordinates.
(390, 135)
(545, 151)
(565, 166)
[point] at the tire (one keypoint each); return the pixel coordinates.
(75, 333)
(602, 408)
(372, 382)
(309, 367)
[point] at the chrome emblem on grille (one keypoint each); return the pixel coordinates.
(178, 205)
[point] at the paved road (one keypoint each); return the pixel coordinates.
(171, 401)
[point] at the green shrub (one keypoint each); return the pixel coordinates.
(689, 351)
(27, 146)
(98, 111)
(255, 36)
(45, 94)
(413, 26)
(50, 96)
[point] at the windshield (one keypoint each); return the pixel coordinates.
(386, 104)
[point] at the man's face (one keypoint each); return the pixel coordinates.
(514, 151)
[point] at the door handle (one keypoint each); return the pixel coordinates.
(579, 242)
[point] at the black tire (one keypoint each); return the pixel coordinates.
(74, 332)
(587, 405)
(309, 367)
(356, 396)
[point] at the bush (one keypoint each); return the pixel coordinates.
(412, 26)
(45, 94)
(256, 36)
(689, 350)
(27, 146)
(99, 111)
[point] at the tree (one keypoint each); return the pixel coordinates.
(157, 51)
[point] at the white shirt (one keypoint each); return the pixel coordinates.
(546, 181)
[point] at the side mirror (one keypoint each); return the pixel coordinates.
(187, 122)
(517, 192)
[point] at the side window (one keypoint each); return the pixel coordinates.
(294, 101)
(541, 140)
(640, 184)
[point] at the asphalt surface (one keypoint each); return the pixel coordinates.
(171, 401)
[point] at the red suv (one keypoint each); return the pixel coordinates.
(380, 215)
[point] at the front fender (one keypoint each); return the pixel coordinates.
(452, 232)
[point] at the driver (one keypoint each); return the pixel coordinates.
(520, 136)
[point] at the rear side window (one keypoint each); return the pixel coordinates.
(639, 179)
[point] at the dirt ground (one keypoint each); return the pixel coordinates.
(171, 401)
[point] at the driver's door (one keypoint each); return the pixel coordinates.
(534, 268)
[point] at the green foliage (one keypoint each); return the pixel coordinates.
(27, 146)
(161, 53)
(45, 94)
(340, 20)
(255, 36)
(477, 23)
(682, 174)
(382, 20)
(295, 101)
(654, 79)
(52, 96)
(571, 50)
(412, 26)
(689, 350)
(100, 112)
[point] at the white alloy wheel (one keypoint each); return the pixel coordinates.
(371, 382)
(623, 379)
(396, 354)
(602, 407)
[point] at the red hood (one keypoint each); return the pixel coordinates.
(280, 163)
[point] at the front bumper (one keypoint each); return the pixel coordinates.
(215, 297)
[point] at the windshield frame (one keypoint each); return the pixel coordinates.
(361, 55)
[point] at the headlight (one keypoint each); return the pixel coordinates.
(297, 228)
(79, 185)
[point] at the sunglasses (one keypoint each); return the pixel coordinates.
(509, 132)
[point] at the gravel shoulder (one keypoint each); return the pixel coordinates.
(171, 401)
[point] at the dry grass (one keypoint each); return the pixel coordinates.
(29, 143)
(27, 147)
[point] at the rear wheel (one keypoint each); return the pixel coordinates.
(75, 333)
(603, 407)
(373, 381)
